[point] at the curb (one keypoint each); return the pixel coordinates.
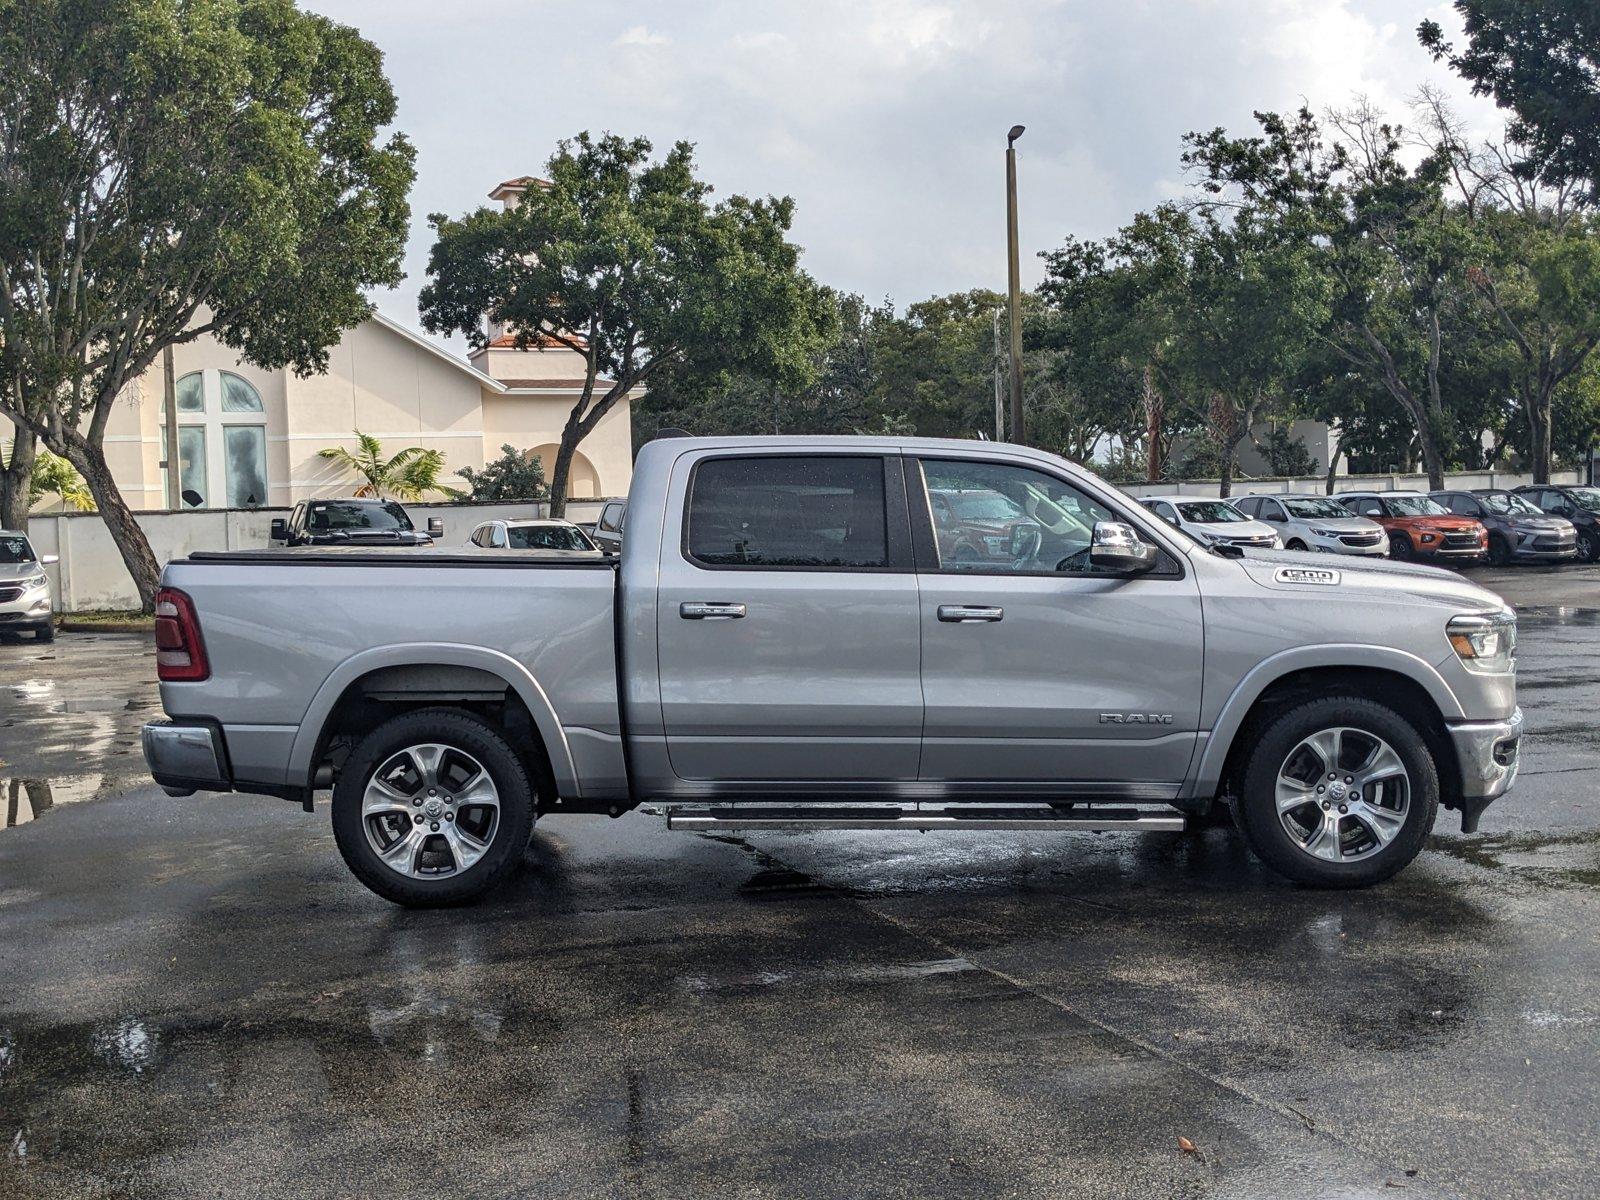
(71, 626)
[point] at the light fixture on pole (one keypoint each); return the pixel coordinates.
(1018, 432)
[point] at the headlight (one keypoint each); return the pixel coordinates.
(1485, 644)
(35, 581)
(1328, 533)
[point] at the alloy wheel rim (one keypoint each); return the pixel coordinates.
(430, 811)
(1342, 794)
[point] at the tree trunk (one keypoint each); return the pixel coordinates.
(1333, 469)
(114, 511)
(563, 469)
(1539, 422)
(1432, 456)
(1225, 476)
(15, 477)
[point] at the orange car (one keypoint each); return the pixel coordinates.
(1420, 527)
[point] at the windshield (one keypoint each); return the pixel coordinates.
(1210, 512)
(1506, 504)
(1587, 497)
(1415, 506)
(15, 549)
(1313, 507)
(547, 537)
(329, 516)
(983, 506)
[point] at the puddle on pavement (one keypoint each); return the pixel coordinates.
(1558, 860)
(25, 800)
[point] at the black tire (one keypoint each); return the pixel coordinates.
(1257, 805)
(45, 633)
(1588, 546)
(471, 735)
(1400, 547)
(1499, 550)
(1296, 544)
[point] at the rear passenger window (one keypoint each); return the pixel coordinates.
(812, 511)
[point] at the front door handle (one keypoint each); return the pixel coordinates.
(970, 612)
(700, 610)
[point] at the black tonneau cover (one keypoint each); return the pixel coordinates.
(422, 556)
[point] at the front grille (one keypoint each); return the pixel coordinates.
(1361, 539)
(1252, 541)
(1461, 540)
(1554, 541)
(10, 592)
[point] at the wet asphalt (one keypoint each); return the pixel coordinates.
(197, 1000)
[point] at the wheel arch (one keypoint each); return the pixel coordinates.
(431, 673)
(1391, 677)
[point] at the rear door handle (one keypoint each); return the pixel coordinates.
(700, 610)
(970, 612)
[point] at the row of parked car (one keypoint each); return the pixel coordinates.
(365, 522)
(1533, 523)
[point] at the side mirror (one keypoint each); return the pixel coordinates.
(1116, 548)
(49, 560)
(280, 529)
(435, 526)
(1274, 516)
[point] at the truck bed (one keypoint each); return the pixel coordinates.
(290, 632)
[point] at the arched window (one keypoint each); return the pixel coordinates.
(218, 441)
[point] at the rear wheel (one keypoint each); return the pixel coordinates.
(433, 808)
(1339, 792)
(1499, 550)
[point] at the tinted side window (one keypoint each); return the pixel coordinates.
(1464, 506)
(1370, 508)
(810, 511)
(608, 517)
(1250, 506)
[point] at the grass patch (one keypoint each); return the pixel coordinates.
(108, 620)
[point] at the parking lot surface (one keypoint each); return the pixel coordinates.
(198, 1000)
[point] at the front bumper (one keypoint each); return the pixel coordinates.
(1488, 754)
(28, 610)
(186, 758)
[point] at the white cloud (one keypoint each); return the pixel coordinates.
(884, 119)
(639, 35)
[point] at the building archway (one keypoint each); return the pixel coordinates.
(583, 481)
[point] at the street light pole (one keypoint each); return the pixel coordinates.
(1018, 433)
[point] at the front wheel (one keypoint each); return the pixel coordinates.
(1296, 544)
(433, 808)
(1400, 546)
(1588, 545)
(45, 633)
(1339, 792)
(1499, 551)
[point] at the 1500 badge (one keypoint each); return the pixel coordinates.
(1315, 575)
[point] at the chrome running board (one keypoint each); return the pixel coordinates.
(974, 816)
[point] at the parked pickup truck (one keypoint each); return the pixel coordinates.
(784, 645)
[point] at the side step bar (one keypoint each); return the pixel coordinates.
(978, 817)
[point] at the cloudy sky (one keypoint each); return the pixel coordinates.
(884, 119)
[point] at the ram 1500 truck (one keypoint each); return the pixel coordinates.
(786, 643)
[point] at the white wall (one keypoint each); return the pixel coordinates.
(91, 576)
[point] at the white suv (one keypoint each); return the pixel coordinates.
(1213, 521)
(24, 588)
(1317, 523)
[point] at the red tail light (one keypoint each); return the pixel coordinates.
(180, 652)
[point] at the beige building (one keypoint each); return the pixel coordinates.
(249, 438)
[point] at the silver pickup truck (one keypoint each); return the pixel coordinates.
(842, 633)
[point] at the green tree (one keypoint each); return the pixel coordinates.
(176, 168)
(54, 476)
(626, 262)
(407, 475)
(1541, 60)
(515, 475)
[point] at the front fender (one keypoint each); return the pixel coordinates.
(1214, 755)
(450, 654)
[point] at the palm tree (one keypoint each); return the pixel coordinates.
(405, 476)
(53, 475)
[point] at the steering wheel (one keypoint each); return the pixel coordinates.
(1025, 543)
